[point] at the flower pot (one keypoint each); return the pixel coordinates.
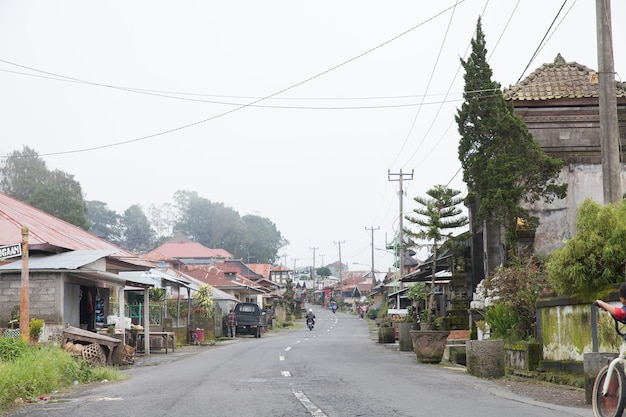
(485, 358)
(429, 345)
(386, 335)
(404, 336)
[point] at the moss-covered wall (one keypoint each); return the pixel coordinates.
(566, 332)
(567, 328)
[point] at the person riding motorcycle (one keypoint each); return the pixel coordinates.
(310, 317)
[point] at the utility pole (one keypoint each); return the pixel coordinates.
(609, 128)
(371, 229)
(313, 271)
(24, 300)
(400, 177)
(338, 243)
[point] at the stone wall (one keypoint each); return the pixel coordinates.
(44, 296)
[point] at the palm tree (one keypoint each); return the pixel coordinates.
(437, 213)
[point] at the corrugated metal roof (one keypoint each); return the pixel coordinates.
(67, 260)
(46, 232)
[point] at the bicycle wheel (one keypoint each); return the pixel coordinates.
(612, 404)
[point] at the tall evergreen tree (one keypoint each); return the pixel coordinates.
(437, 215)
(503, 165)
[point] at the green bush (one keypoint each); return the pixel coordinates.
(12, 348)
(37, 370)
(502, 322)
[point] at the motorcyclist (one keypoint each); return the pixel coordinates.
(310, 316)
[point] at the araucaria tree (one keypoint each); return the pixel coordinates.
(503, 165)
(436, 216)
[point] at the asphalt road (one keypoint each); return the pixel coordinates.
(334, 370)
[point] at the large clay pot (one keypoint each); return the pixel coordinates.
(404, 336)
(386, 335)
(429, 345)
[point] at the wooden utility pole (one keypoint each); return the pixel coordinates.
(609, 128)
(24, 304)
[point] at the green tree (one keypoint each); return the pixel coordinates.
(435, 215)
(104, 222)
(22, 173)
(25, 177)
(503, 166)
(204, 300)
(594, 257)
(61, 196)
(263, 240)
(323, 271)
(138, 235)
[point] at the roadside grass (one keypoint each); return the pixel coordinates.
(30, 371)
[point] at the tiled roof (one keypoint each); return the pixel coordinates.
(46, 232)
(559, 80)
(176, 250)
(261, 269)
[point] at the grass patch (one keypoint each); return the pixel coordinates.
(28, 371)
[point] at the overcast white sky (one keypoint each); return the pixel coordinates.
(343, 92)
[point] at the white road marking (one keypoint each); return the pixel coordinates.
(297, 342)
(281, 358)
(308, 404)
(285, 373)
(288, 348)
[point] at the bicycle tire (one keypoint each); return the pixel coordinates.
(612, 404)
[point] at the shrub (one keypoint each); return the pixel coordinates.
(502, 321)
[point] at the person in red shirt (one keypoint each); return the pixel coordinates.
(619, 312)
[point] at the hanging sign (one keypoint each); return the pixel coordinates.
(10, 251)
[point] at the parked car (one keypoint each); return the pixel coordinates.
(250, 319)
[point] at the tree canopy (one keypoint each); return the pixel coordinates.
(594, 257)
(26, 177)
(503, 165)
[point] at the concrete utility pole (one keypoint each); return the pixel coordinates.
(609, 129)
(371, 229)
(313, 271)
(338, 243)
(401, 248)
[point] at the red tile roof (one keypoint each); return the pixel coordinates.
(46, 232)
(559, 80)
(261, 269)
(177, 250)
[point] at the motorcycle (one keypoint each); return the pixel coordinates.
(310, 323)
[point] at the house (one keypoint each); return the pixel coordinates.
(280, 274)
(183, 254)
(559, 102)
(72, 274)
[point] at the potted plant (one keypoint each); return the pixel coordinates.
(35, 329)
(386, 332)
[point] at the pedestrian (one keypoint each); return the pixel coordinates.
(231, 323)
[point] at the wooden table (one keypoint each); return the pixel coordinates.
(74, 333)
(167, 336)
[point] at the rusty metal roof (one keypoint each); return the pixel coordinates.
(46, 232)
(559, 80)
